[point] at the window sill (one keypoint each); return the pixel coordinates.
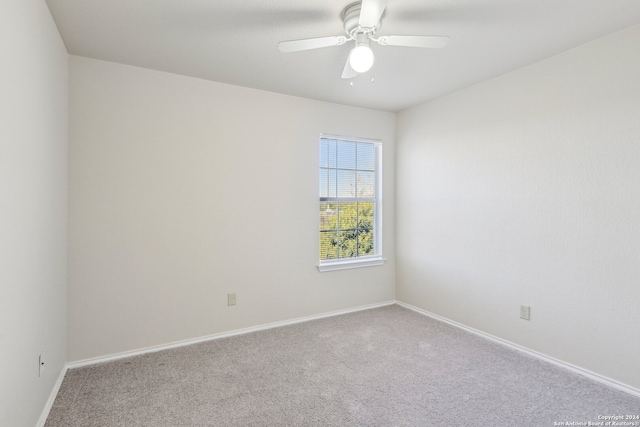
(357, 263)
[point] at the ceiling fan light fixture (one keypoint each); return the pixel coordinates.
(361, 57)
(361, 21)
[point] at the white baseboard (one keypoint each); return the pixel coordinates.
(116, 356)
(573, 368)
(52, 398)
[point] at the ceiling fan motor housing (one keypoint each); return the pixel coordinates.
(351, 18)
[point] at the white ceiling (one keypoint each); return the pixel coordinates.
(235, 41)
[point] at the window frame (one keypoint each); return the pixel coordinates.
(366, 260)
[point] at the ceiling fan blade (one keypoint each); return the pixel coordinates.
(308, 44)
(433, 42)
(348, 72)
(370, 12)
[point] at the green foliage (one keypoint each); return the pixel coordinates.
(346, 229)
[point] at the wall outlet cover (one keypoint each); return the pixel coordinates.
(231, 299)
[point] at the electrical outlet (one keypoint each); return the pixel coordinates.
(41, 364)
(231, 299)
(525, 312)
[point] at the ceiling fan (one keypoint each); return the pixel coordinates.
(361, 21)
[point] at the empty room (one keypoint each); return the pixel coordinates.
(320, 213)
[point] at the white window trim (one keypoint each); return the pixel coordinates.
(345, 264)
(369, 261)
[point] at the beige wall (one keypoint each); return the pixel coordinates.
(33, 208)
(182, 190)
(525, 190)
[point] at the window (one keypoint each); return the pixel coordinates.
(350, 200)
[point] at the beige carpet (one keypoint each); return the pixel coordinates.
(382, 367)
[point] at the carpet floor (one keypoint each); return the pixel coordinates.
(382, 367)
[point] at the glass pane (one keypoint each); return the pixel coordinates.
(328, 216)
(327, 182)
(323, 182)
(328, 245)
(365, 243)
(346, 183)
(331, 153)
(366, 156)
(348, 216)
(327, 153)
(333, 183)
(366, 184)
(365, 228)
(348, 244)
(365, 217)
(324, 153)
(346, 155)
